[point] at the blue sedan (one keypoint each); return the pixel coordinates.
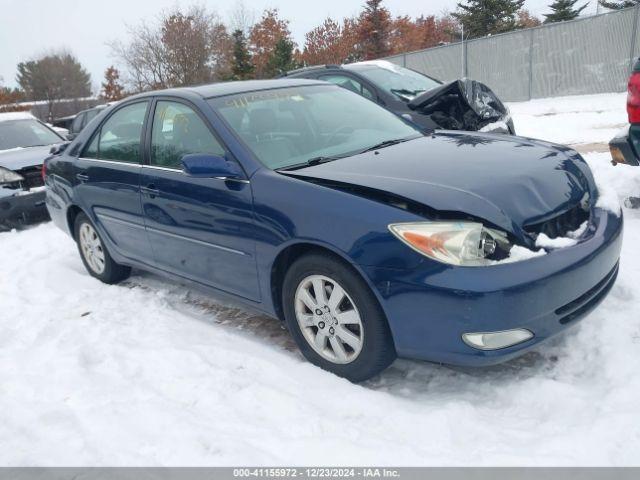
(368, 238)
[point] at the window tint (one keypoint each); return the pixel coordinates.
(349, 83)
(177, 131)
(119, 137)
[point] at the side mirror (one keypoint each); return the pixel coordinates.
(209, 166)
(58, 148)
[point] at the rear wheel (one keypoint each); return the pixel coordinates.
(335, 319)
(95, 255)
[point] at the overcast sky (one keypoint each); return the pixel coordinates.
(31, 27)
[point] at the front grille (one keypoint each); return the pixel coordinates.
(32, 177)
(562, 224)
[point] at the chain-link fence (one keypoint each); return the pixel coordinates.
(587, 55)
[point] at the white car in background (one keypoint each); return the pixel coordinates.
(24, 144)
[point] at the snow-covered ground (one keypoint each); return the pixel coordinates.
(577, 120)
(149, 373)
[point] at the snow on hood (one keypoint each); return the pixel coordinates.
(7, 116)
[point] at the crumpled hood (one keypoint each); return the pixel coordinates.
(16, 159)
(506, 180)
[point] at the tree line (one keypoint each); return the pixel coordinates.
(192, 45)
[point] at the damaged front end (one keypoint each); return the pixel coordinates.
(22, 197)
(464, 105)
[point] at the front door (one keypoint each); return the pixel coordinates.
(108, 172)
(199, 228)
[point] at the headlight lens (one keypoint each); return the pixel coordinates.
(8, 176)
(455, 243)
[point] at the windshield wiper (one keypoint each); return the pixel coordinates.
(311, 162)
(386, 143)
(403, 92)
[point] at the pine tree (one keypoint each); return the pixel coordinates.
(488, 17)
(112, 90)
(374, 27)
(563, 10)
(618, 4)
(241, 66)
(281, 59)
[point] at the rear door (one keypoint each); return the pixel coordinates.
(108, 172)
(199, 228)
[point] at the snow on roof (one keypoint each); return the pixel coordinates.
(379, 63)
(4, 117)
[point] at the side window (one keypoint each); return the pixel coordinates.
(119, 137)
(177, 131)
(89, 116)
(76, 126)
(349, 83)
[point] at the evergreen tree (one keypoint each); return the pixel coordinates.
(112, 90)
(563, 10)
(241, 66)
(54, 77)
(618, 4)
(374, 27)
(488, 17)
(281, 59)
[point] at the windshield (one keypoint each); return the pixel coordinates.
(25, 133)
(400, 81)
(290, 126)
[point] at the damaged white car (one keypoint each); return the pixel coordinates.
(24, 144)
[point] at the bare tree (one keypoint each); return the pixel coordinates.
(242, 18)
(180, 48)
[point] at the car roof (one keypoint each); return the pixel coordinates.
(7, 116)
(232, 88)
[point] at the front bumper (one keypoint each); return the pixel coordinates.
(431, 307)
(20, 207)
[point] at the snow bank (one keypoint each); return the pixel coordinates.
(571, 120)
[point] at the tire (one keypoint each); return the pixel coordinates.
(94, 253)
(367, 347)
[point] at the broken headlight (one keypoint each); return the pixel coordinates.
(456, 243)
(8, 176)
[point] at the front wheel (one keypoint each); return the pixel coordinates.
(94, 254)
(335, 319)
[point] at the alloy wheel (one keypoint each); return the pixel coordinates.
(329, 319)
(92, 249)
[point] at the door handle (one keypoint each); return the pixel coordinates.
(150, 190)
(83, 177)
